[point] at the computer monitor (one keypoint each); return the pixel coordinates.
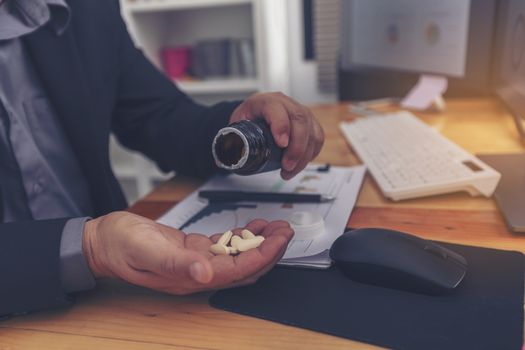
(423, 36)
(387, 44)
(509, 72)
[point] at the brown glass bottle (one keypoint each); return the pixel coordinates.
(247, 147)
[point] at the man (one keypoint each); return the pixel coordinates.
(69, 76)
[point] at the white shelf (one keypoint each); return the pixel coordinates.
(214, 86)
(155, 24)
(166, 5)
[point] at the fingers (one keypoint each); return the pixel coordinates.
(262, 227)
(201, 270)
(268, 267)
(307, 139)
(299, 142)
(248, 266)
(303, 162)
(174, 261)
(277, 118)
(301, 129)
(183, 262)
(272, 110)
(188, 273)
(278, 234)
(318, 138)
(306, 136)
(256, 226)
(252, 262)
(270, 228)
(273, 246)
(293, 127)
(166, 259)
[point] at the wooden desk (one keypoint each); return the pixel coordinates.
(120, 316)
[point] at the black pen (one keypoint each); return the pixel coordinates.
(276, 197)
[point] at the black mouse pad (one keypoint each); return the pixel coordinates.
(485, 312)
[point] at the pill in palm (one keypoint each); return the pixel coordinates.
(225, 238)
(220, 249)
(248, 244)
(235, 240)
(247, 234)
(237, 243)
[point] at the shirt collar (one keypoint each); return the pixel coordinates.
(21, 17)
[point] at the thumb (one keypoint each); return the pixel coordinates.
(196, 265)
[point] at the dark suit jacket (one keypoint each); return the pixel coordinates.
(100, 83)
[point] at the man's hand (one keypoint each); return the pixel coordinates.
(293, 126)
(145, 253)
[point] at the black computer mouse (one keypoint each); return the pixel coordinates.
(398, 260)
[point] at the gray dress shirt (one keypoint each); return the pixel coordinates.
(41, 178)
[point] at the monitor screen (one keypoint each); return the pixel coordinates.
(423, 36)
(510, 70)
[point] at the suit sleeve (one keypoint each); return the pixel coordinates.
(30, 266)
(154, 117)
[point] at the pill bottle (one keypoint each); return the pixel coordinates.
(247, 147)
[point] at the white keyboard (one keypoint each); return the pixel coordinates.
(409, 159)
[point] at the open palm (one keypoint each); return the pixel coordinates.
(146, 253)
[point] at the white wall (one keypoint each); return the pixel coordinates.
(273, 27)
(303, 74)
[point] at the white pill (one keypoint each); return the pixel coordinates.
(233, 250)
(225, 238)
(219, 249)
(248, 244)
(247, 234)
(235, 240)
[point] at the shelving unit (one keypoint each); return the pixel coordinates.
(155, 24)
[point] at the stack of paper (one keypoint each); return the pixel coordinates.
(195, 215)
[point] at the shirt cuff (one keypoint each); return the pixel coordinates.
(76, 275)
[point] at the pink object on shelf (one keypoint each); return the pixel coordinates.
(176, 61)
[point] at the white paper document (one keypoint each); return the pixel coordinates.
(195, 215)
